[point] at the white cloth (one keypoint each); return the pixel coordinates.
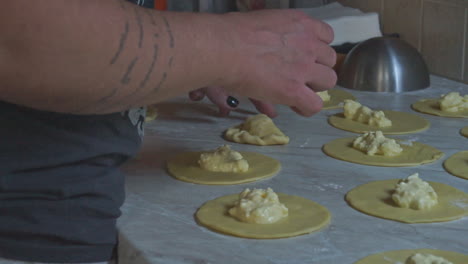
(349, 24)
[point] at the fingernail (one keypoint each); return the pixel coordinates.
(232, 102)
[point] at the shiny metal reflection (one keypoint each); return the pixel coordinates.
(384, 64)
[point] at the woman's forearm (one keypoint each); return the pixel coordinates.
(94, 57)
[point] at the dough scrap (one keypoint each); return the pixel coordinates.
(257, 130)
(400, 256)
(457, 164)
(431, 106)
(402, 123)
(337, 96)
(412, 155)
(185, 167)
(464, 131)
(305, 216)
(374, 198)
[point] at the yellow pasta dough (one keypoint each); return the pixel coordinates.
(400, 256)
(402, 123)
(431, 106)
(412, 155)
(375, 198)
(304, 216)
(337, 96)
(185, 167)
(457, 164)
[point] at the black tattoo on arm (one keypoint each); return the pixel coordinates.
(161, 82)
(123, 40)
(151, 67)
(140, 27)
(170, 61)
(169, 32)
(126, 78)
(152, 21)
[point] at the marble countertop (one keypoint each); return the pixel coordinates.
(158, 226)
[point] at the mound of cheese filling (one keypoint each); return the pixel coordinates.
(414, 193)
(363, 114)
(324, 95)
(258, 206)
(223, 159)
(375, 143)
(419, 258)
(453, 102)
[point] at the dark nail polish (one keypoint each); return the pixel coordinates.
(232, 102)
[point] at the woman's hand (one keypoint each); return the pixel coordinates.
(227, 103)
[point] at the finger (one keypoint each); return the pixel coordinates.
(326, 55)
(323, 78)
(264, 108)
(309, 104)
(219, 98)
(197, 95)
(325, 32)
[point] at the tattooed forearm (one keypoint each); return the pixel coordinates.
(140, 27)
(169, 32)
(161, 82)
(123, 40)
(107, 97)
(121, 3)
(126, 78)
(170, 61)
(151, 67)
(151, 17)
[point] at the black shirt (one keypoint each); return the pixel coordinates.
(60, 185)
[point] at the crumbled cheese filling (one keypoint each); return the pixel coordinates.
(375, 143)
(453, 102)
(419, 258)
(258, 206)
(223, 159)
(363, 114)
(414, 193)
(324, 95)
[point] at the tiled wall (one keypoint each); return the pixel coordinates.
(437, 28)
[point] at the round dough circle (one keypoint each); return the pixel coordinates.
(431, 106)
(374, 198)
(305, 216)
(400, 256)
(413, 155)
(457, 164)
(185, 167)
(464, 131)
(402, 123)
(337, 96)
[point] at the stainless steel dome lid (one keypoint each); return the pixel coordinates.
(384, 64)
